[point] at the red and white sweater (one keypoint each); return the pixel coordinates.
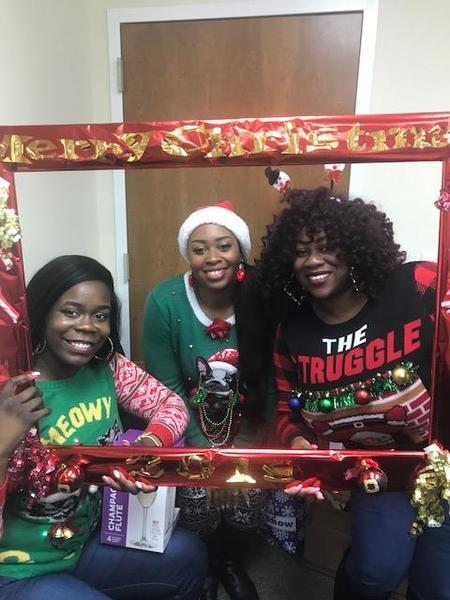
(312, 356)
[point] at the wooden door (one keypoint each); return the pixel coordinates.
(227, 68)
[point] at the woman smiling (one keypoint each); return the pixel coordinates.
(49, 548)
(191, 333)
(353, 367)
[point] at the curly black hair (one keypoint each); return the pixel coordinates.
(362, 234)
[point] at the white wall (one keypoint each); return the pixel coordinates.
(57, 72)
(45, 80)
(410, 75)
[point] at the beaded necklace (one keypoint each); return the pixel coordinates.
(216, 432)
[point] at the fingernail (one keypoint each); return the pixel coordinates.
(105, 479)
(117, 474)
(35, 374)
(139, 486)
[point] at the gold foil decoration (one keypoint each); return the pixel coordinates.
(40, 149)
(353, 135)
(419, 137)
(241, 473)
(324, 138)
(439, 137)
(195, 467)
(399, 134)
(148, 466)
(278, 472)
(379, 140)
(136, 145)
(431, 488)
(9, 225)
(240, 477)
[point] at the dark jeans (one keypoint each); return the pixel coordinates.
(383, 553)
(125, 573)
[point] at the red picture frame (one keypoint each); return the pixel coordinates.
(226, 143)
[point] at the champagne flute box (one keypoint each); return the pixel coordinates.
(144, 521)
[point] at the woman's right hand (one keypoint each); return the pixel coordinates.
(310, 488)
(20, 407)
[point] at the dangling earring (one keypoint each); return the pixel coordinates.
(39, 349)
(292, 296)
(240, 273)
(353, 279)
(109, 354)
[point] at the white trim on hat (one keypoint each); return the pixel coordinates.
(220, 364)
(218, 216)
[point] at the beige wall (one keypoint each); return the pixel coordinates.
(58, 73)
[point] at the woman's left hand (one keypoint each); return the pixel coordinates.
(309, 488)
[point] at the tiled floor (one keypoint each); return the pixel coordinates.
(281, 576)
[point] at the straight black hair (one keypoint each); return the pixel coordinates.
(54, 279)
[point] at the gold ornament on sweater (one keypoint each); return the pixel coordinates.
(431, 490)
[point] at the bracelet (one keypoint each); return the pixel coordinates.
(150, 436)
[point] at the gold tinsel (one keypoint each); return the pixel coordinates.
(9, 221)
(431, 490)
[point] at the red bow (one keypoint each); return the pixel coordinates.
(218, 329)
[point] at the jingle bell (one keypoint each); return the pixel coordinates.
(61, 532)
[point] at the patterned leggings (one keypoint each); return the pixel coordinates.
(204, 518)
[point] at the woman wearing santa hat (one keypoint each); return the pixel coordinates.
(191, 331)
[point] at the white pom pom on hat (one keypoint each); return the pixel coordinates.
(218, 214)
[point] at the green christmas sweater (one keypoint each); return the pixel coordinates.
(175, 337)
(84, 409)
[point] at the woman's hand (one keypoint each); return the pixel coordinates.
(148, 439)
(20, 407)
(309, 488)
(122, 481)
(301, 443)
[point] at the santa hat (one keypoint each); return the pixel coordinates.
(219, 214)
(227, 359)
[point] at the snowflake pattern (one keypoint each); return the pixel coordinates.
(283, 525)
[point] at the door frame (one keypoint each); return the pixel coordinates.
(223, 10)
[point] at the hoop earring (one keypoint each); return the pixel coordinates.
(109, 354)
(292, 296)
(39, 349)
(353, 280)
(240, 273)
